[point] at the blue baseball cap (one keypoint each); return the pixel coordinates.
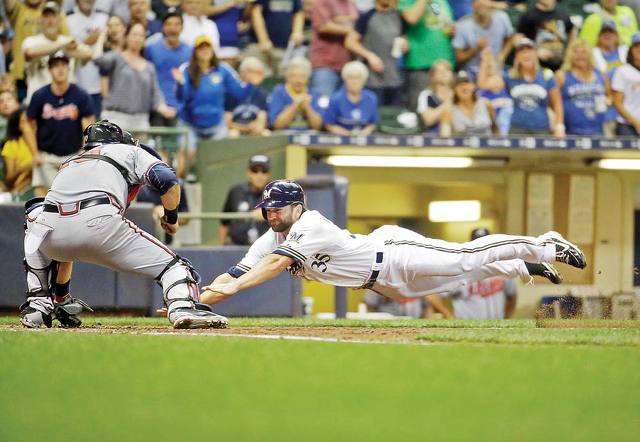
(609, 25)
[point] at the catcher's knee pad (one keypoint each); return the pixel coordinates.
(179, 282)
(36, 312)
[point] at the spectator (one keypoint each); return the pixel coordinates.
(276, 25)
(373, 39)
(332, 20)
(58, 113)
(485, 28)
(243, 198)
(626, 91)
(622, 16)
(469, 115)
(352, 110)
(168, 54)
(248, 116)
(534, 91)
(140, 10)
(491, 86)
(87, 25)
(550, 28)
(160, 7)
(133, 86)
(491, 298)
(24, 18)
(115, 7)
(19, 146)
(202, 85)
(196, 24)
(429, 29)
(292, 105)
(115, 38)
(38, 47)
(228, 15)
(584, 91)
(437, 99)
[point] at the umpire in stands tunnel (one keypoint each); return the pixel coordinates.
(82, 219)
(243, 197)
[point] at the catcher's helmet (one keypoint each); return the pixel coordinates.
(280, 193)
(103, 132)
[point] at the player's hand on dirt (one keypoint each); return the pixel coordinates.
(171, 229)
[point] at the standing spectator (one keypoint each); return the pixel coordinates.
(550, 28)
(228, 15)
(292, 105)
(622, 16)
(276, 24)
(115, 7)
(160, 7)
(248, 116)
(373, 38)
(243, 198)
(469, 114)
(19, 146)
(584, 91)
(58, 113)
(140, 11)
(429, 30)
(202, 85)
(331, 21)
(196, 24)
(352, 110)
(168, 54)
(534, 91)
(133, 86)
(486, 28)
(437, 99)
(24, 18)
(115, 38)
(492, 87)
(87, 25)
(626, 91)
(38, 47)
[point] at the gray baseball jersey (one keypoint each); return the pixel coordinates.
(483, 299)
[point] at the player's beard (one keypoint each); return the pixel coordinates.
(280, 226)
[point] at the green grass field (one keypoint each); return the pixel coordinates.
(461, 381)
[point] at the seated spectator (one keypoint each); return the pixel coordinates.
(437, 98)
(626, 91)
(292, 105)
(133, 86)
(429, 28)
(623, 16)
(277, 25)
(534, 91)
(196, 24)
(248, 116)
(485, 28)
(550, 28)
(331, 21)
(19, 145)
(202, 85)
(491, 87)
(115, 38)
(352, 110)
(140, 12)
(469, 114)
(87, 25)
(243, 197)
(375, 34)
(38, 47)
(584, 91)
(167, 54)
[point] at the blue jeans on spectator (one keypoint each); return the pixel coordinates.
(626, 130)
(325, 81)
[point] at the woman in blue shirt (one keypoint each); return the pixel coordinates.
(202, 84)
(533, 91)
(583, 90)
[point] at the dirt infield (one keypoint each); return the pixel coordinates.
(338, 334)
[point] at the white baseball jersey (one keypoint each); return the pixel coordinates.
(483, 299)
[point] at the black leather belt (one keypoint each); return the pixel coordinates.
(374, 275)
(77, 206)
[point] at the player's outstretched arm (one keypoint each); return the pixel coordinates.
(266, 269)
(209, 296)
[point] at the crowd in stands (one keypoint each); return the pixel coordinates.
(229, 68)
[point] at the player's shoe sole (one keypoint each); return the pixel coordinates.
(566, 252)
(196, 323)
(545, 270)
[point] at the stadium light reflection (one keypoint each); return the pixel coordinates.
(618, 164)
(450, 211)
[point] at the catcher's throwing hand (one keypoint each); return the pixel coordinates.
(171, 229)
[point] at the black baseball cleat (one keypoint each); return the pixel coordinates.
(545, 270)
(565, 251)
(191, 318)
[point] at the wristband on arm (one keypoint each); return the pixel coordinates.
(171, 215)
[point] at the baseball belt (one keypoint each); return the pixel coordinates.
(77, 206)
(375, 271)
